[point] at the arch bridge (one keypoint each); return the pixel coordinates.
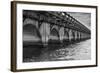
(50, 28)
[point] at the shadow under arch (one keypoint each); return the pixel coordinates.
(32, 44)
(66, 38)
(78, 36)
(73, 37)
(31, 30)
(54, 39)
(54, 32)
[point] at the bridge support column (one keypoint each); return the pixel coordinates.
(45, 32)
(61, 34)
(76, 36)
(70, 36)
(66, 37)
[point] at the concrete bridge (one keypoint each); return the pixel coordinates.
(43, 28)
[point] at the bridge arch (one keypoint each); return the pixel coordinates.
(54, 40)
(70, 35)
(73, 36)
(31, 33)
(54, 34)
(66, 34)
(78, 35)
(30, 21)
(31, 41)
(66, 37)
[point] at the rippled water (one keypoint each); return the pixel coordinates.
(77, 51)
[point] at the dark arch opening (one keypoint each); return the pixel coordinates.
(32, 44)
(66, 40)
(31, 30)
(54, 32)
(78, 36)
(66, 34)
(73, 34)
(54, 41)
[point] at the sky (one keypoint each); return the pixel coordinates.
(84, 18)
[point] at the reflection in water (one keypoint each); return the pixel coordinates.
(78, 51)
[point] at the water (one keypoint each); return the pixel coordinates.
(77, 51)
